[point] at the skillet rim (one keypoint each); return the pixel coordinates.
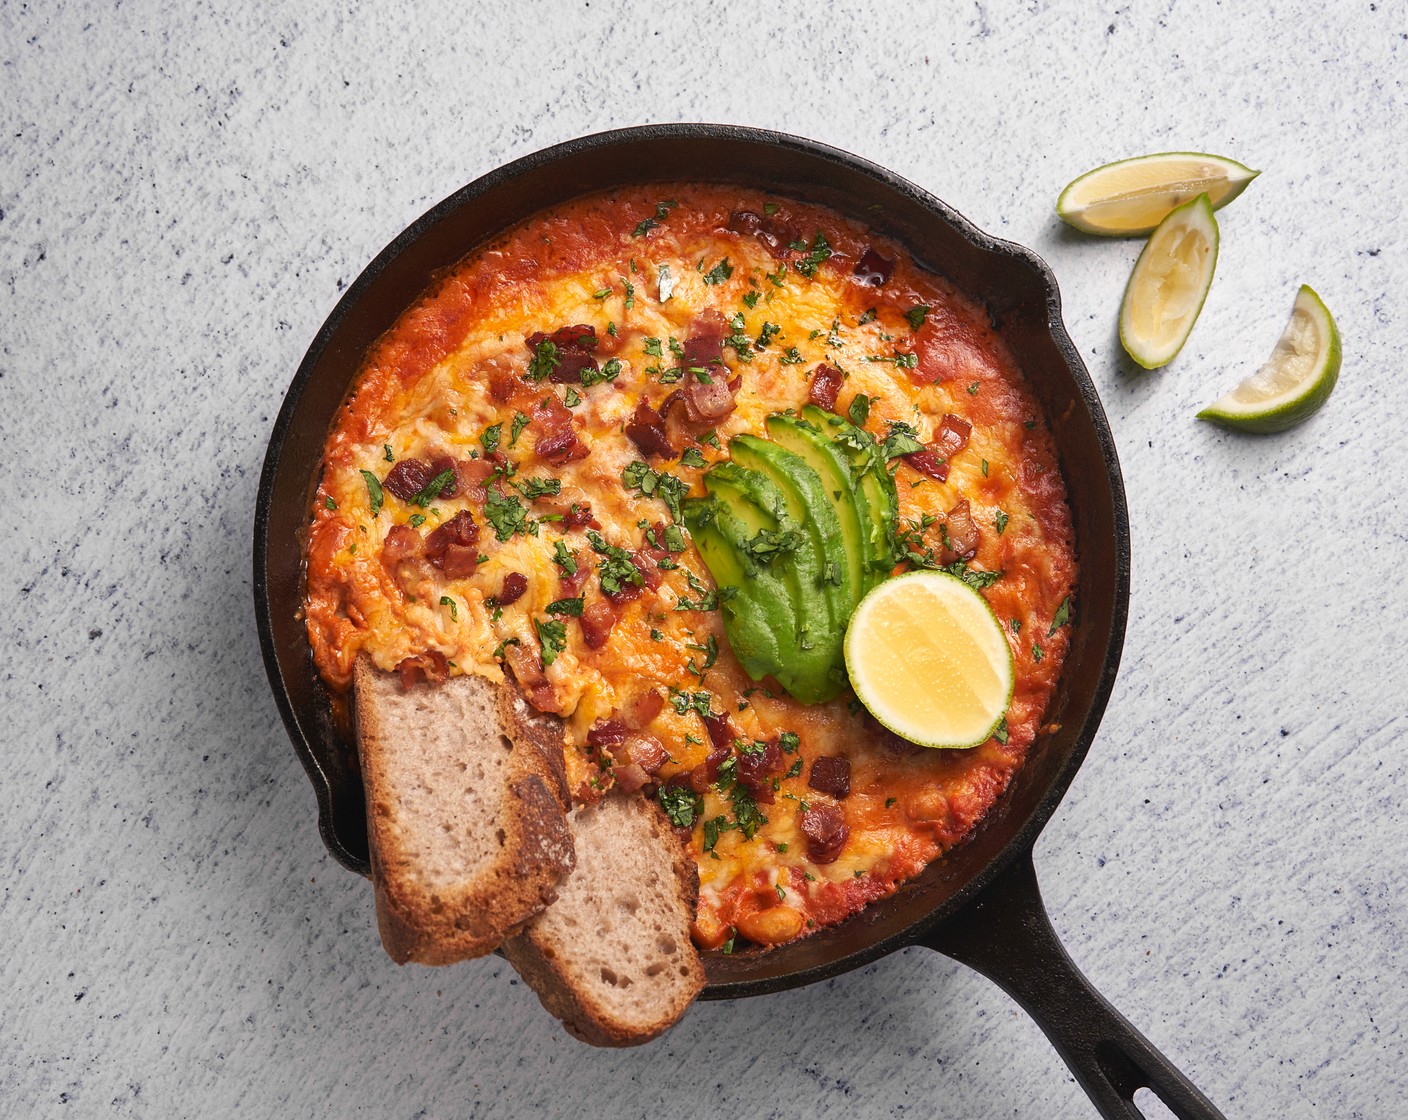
(1019, 256)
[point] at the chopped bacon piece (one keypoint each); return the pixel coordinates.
(826, 383)
(401, 556)
(408, 478)
(831, 774)
(607, 733)
(873, 269)
(402, 542)
(573, 582)
(960, 533)
(776, 235)
(722, 733)
(757, 764)
(639, 711)
(473, 474)
(826, 831)
(579, 516)
(574, 351)
(948, 441)
(438, 466)
(453, 548)
(708, 401)
(929, 462)
(952, 436)
(515, 584)
(705, 344)
(597, 619)
(527, 668)
(430, 667)
(647, 752)
(557, 439)
(646, 429)
(707, 772)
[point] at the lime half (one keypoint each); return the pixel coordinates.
(1295, 381)
(1132, 196)
(1170, 281)
(929, 659)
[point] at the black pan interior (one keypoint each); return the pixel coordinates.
(1024, 304)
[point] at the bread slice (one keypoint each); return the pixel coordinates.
(612, 957)
(466, 812)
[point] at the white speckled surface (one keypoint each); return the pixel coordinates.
(183, 195)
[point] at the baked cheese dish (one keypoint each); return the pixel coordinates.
(506, 491)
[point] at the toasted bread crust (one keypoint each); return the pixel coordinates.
(484, 877)
(552, 961)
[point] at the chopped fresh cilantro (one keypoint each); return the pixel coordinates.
(386, 453)
(1000, 732)
(899, 359)
(328, 503)
(985, 468)
(768, 544)
(769, 209)
(859, 412)
(572, 398)
(779, 276)
(374, 491)
(416, 520)
(692, 457)
(553, 637)
(975, 578)
(791, 357)
(681, 804)
(1016, 625)
(711, 437)
(504, 512)
(818, 252)
(768, 333)
(916, 316)
(789, 741)
(902, 440)
(1063, 616)
(1036, 653)
(973, 389)
(490, 438)
(546, 358)
(662, 211)
(751, 299)
(719, 273)
(601, 293)
(655, 484)
(446, 601)
(532, 488)
(1001, 521)
(569, 607)
(564, 558)
(431, 490)
(699, 702)
(674, 538)
(520, 421)
(503, 645)
(609, 372)
(656, 635)
(867, 317)
(795, 769)
(630, 292)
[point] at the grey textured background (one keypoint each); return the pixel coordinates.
(183, 194)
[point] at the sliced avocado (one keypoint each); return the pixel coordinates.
(876, 487)
(832, 467)
(749, 621)
(819, 563)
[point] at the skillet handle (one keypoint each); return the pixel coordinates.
(1004, 933)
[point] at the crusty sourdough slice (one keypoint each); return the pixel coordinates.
(612, 957)
(466, 812)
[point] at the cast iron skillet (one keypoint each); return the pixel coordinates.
(980, 903)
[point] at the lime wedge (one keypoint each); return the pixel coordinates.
(1132, 196)
(1170, 281)
(1295, 381)
(929, 659)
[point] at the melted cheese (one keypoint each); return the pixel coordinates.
(425, 391)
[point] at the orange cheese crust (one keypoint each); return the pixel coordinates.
(638, 269)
